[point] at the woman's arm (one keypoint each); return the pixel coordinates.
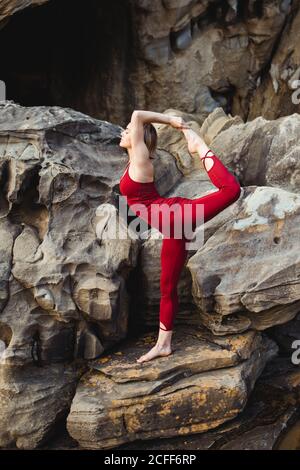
(151, 116)
(138, 119)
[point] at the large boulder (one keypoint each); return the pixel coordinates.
(63, 296)
(259, 152)
(59, 169)
(192, 55)
(34, 400)
(268, 421)
(277, 92)
(263, 153)
(205, 382)
(247, 273)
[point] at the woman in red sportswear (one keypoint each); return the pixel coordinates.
(140, 138)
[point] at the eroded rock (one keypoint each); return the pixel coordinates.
(63, 296)
(196, 55)
(238, 282)
(205, 382)
(33, 400)
(8, 7)
(264, 424)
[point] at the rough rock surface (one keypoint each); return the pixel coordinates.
(192, 55)
(264, 424)
(250, 288)
(58, 169)
(33, 400)
(259, 152)
(263, 153)
(217, 49)
(278, 91)
(205, 382)
(63, 295)
(66, 291)
(9, 7)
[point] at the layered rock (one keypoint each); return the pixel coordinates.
(247, 274)
(192, 55)
(63, 296)
(205, 382)
(277, 93)
(259, 152)
(59, 168)
(67, 287)
(9, 7)
(264, 424)
(33, 401)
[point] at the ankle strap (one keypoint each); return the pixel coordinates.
(205, 156)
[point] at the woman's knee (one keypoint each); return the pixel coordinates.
(236, 191)
(233, 192)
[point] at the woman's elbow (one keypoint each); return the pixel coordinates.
(135, 115)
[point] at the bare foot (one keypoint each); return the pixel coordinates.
(155, 352)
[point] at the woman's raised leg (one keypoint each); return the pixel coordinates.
(215, 202)
(173, 256)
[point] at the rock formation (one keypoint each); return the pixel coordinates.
(63, 292)
(77, 305)
(107, 58)
(204, 383)
(68, 291)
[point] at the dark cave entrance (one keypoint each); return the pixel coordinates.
(71, 54)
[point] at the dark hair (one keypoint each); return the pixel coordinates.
(150, 138)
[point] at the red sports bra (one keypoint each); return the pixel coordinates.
(136, 191)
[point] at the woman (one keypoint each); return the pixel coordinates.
(140, 139)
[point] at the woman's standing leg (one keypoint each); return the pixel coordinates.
(173, 256)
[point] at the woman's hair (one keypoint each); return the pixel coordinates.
(150, 138)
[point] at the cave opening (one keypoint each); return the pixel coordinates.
(71, 54)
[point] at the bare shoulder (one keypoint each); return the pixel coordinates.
(142, 170)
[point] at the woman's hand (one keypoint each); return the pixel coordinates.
(178, 123)
(193, 140)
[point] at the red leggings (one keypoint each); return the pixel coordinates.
(174, 252)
